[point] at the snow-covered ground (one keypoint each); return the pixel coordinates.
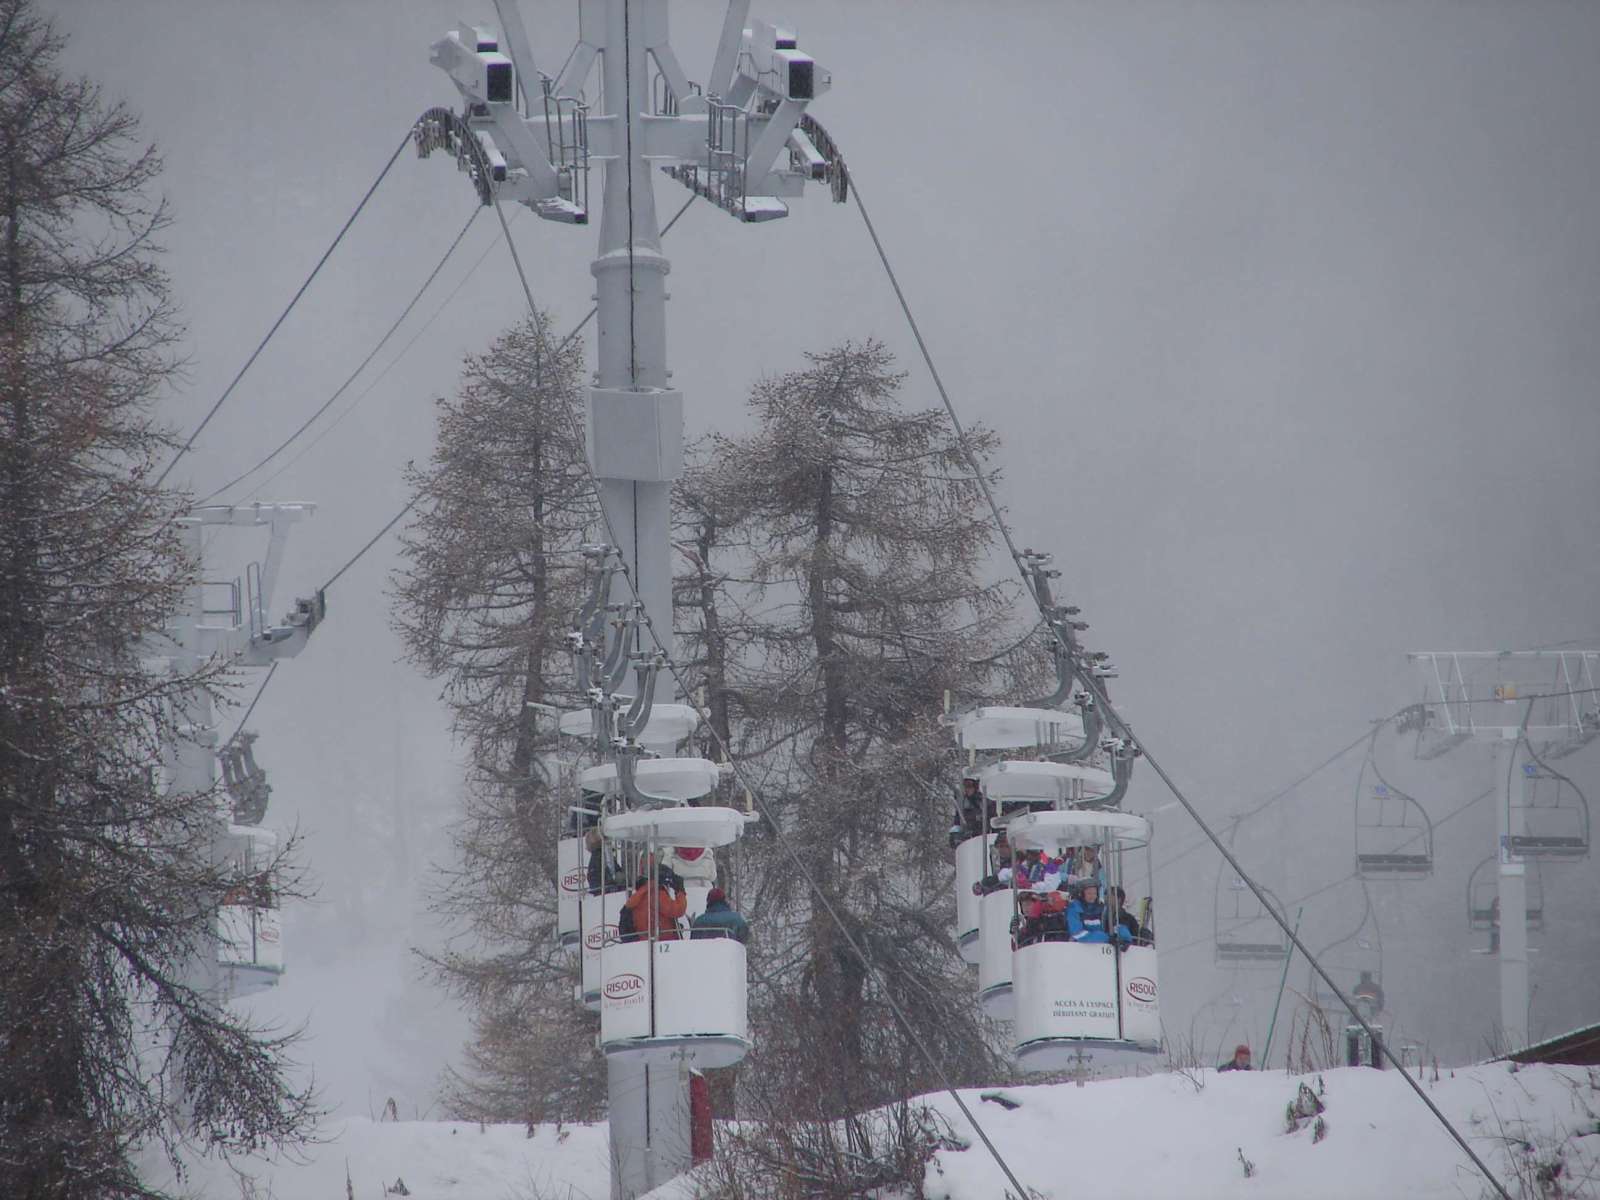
(1164, 1135)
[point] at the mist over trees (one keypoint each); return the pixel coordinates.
(491, 580)
(831, 591)
(108, 887)
(848, 559)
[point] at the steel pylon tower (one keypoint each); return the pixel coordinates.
(741, 140)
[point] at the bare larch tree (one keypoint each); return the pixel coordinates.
(107, 888)
(845, 542)
(491, 582)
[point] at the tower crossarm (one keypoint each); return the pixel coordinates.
(742, 143)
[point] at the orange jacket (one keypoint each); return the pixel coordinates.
(668, 909)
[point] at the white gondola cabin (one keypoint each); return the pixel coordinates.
(1079, 996)
(974, 862)
(249, 924)
(664, 996)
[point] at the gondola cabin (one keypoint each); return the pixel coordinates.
(1082, 991)
(249, 923)
(665, 996)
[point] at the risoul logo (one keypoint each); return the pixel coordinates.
(603, 936)
(1142, 989)
(572, 881)
(624, 986)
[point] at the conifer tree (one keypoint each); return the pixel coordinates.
(108, 890)
(490, 586)
(852, 549)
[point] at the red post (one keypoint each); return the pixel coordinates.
(699, 1118)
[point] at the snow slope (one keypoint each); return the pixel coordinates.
(1152, 1137)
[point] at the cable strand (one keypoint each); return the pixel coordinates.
(284, 315)
(362, 366)
(872, 967)
(1098, 691)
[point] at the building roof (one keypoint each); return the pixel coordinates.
(1580, 1048)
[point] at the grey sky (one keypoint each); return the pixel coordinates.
(1285, 312)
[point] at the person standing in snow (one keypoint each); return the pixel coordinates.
(719, 919)
(1240, 1060)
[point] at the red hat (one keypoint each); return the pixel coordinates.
(1241, 1048)
(716, 893)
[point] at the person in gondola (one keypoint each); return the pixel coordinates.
(604, 874)
(1087, 866)
(968, 819)
(660, 918)
(719, 919)
(1127, 919)
(1002, 876)
(1086, 917)
(1044, 916)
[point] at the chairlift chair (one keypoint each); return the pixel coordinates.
(1483, 896)
(1245, 935)
(1552, 816)
(1394, 836)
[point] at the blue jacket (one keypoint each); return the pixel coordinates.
(1087, 922)
(719, 920)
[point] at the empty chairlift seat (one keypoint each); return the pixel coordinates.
(1078, 999)
(1394, 837)
(674, 999)
(1550, 817)
(1245, 935)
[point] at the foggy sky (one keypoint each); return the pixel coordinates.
(1285, 315)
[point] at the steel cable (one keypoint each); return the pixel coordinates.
(1097, 690)
(283, 316)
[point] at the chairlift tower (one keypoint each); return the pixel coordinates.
(742, 141)
(1525, 706)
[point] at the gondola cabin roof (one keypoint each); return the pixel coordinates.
(669, 724)
(699, 826)
(1016, 780)
(995, 727)
(671, 778)
(1052, 830)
